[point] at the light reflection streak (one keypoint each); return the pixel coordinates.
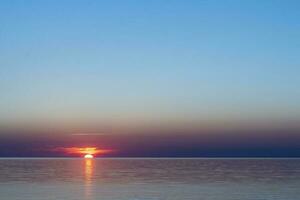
(88, 172)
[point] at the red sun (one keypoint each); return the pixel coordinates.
(88, 156)
(86, 152)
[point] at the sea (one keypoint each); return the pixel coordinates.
(149, 179)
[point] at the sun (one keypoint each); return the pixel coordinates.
(84, 152)
(88, 156)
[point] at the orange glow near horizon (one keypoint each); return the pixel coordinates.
(86, 152)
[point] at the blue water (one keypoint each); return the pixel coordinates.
(149, 179)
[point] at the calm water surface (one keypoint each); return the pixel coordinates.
(149, 179)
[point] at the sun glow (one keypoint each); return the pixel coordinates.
(86, 152)
(88, 156)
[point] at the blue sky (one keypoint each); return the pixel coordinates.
(156, 62)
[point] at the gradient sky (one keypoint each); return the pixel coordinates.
(180, 69)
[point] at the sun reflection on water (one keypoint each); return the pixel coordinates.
(88, 172)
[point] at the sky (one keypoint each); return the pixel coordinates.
(150, 78)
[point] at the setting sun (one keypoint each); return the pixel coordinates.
(88, 156)
(86, 152)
